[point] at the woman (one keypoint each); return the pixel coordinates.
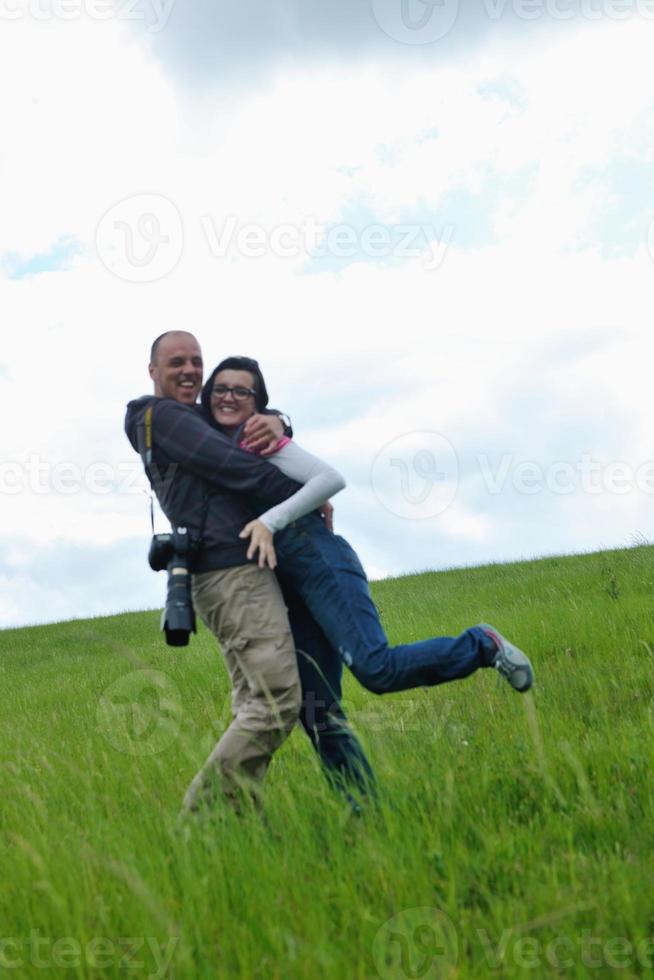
(326, 573)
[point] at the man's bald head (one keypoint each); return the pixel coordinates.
(176, 366)
(154, 350)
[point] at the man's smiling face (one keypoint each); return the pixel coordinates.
(177, 368)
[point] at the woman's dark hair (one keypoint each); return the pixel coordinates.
(237, 364)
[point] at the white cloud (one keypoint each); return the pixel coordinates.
(91, 117)
(530, 345)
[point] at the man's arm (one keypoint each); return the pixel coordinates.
(262, 432)
(184, 437)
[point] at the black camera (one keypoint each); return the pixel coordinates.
(172, 552)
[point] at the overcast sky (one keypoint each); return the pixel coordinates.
(431, 223)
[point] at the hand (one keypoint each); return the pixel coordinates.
(327, 514)
(261, 433)
(260, 538)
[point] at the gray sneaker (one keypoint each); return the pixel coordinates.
(511, 662)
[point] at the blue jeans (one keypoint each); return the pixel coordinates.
(322, 717)
(325, 572)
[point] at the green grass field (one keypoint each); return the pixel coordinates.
(514, 837)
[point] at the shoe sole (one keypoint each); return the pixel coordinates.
(510, 661)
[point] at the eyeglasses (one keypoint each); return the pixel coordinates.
(239, 393)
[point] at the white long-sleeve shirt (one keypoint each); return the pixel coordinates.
(320, 480)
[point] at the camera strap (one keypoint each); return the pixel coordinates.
(145, 449)
(148, 435)
(147, 461)
(144, 438)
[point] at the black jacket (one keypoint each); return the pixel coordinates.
(196, 470)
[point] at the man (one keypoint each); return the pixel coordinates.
(207, 485)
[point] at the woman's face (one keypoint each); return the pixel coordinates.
(228, 410)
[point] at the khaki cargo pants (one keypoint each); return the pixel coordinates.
(243, 607)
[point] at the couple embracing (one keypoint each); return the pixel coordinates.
(286, 598)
